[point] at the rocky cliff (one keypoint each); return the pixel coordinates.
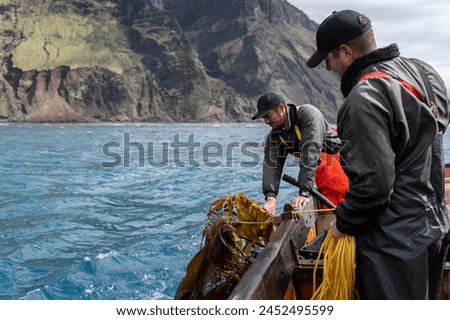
(155, 60)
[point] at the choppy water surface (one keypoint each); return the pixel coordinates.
(112, 211)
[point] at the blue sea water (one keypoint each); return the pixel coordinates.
(113, 211)
(103, 211)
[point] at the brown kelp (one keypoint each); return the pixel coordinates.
(236, 230)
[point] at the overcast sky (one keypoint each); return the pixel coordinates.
(421, 28)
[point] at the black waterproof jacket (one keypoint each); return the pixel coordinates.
(391, 206)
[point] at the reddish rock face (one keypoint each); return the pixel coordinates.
(38, 96)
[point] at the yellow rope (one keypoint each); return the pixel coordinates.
(338, 278)
(294, 212)
(311, 210)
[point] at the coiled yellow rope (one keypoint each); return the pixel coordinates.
(338, 278)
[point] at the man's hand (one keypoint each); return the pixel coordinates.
(334, 230)
(271, 206)
(299, 201)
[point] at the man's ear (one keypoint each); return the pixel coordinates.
(347, 52)
(281, 108)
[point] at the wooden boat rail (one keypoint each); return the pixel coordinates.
(271, 276)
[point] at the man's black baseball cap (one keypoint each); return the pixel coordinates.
(339, 28)
(267, 102)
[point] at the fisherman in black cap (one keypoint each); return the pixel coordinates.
(393, 119)
(304, 132)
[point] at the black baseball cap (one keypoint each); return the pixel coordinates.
(339, 28)
(267, 102)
